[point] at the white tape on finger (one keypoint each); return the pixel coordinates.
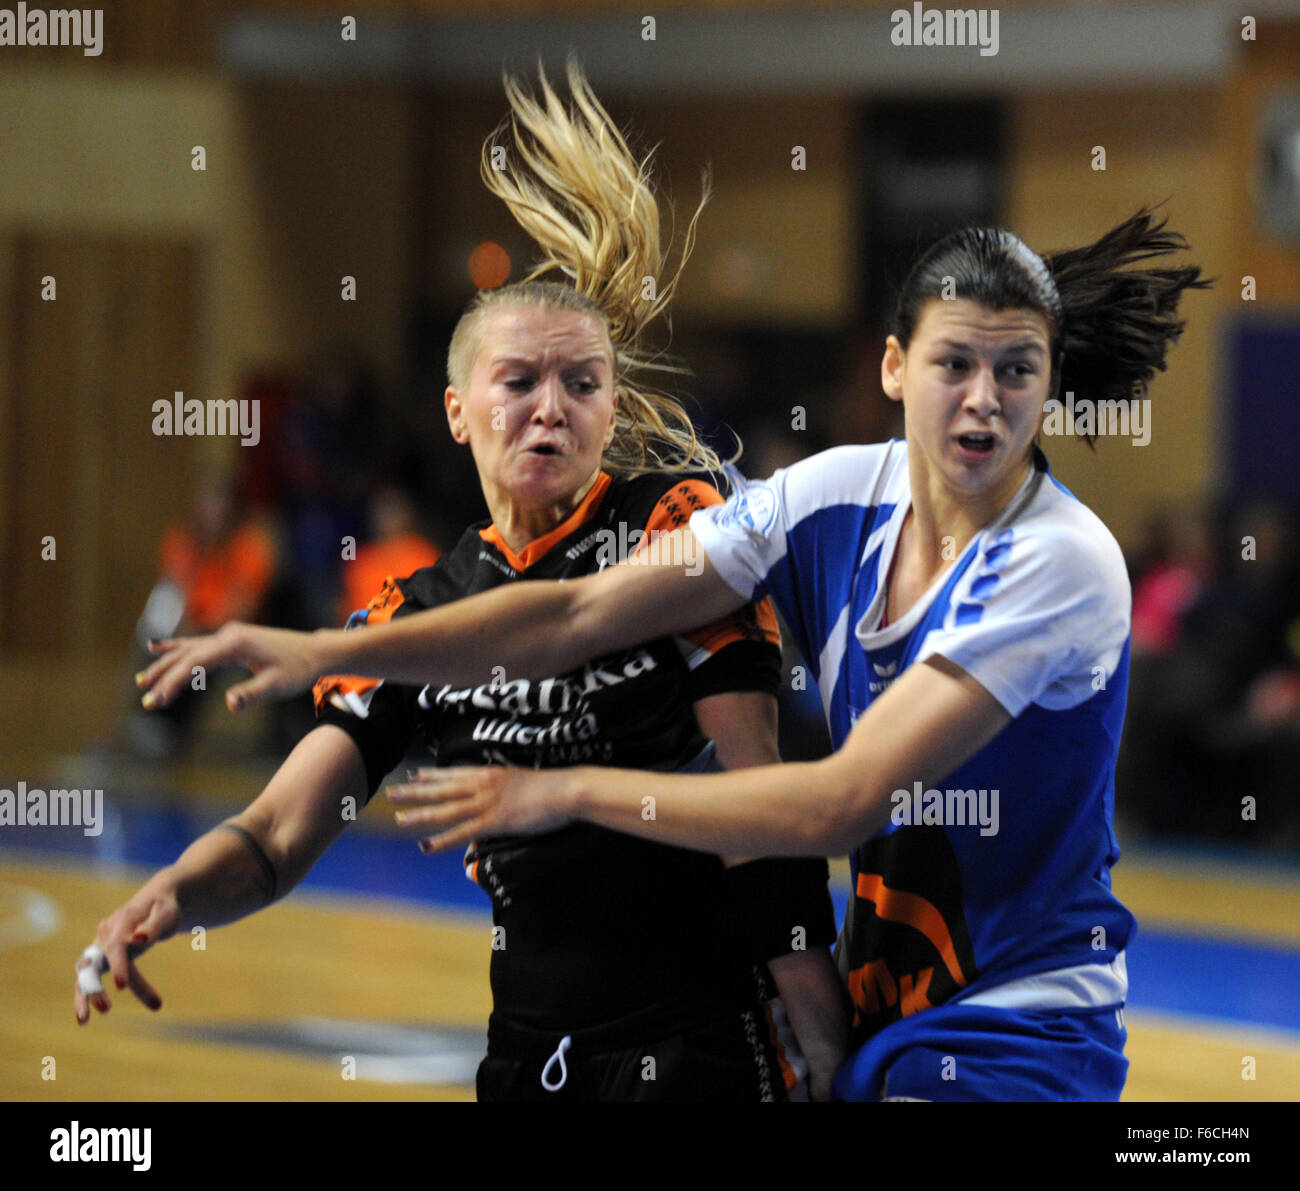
(88, 973)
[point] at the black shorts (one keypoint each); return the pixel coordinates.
(729, 1058)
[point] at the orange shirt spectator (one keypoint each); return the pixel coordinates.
(397, 556)
(221, 580)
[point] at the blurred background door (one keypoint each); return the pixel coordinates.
(79, 462)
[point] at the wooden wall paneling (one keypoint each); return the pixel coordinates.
(82, 461)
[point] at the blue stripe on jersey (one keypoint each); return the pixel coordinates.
(824, 555)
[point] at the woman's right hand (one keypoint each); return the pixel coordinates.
(284, 663)
(452, 807)
(148, 918)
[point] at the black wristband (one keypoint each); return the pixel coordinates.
(778, 906)
(268, 869)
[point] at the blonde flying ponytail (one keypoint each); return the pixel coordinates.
(572, 183)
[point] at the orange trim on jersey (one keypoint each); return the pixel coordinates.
(912, 910)
(380, 609)
(673, 511)
(539, 546)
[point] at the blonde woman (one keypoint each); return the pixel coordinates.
(625, 970)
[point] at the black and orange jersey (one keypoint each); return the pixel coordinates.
(592, 927)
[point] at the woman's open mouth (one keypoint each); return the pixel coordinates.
(976, 446)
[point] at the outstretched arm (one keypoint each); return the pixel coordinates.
(531, 629)
(932, 720)
(220, 877)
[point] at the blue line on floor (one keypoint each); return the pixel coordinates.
(1169, 969)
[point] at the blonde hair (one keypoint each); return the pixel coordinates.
(591, 208)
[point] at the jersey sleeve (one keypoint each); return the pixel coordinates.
(740, 651)
(777, 906)
(745, 537)
(1042, 615)
(795, 537)
(380, 717)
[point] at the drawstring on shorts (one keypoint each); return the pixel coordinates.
(558, 1056)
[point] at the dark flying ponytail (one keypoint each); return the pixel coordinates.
(1117, 323)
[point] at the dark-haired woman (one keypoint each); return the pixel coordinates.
(968, 622)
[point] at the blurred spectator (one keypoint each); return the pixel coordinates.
(215, 565)
(328, 459)
(1173, 578)
(396, 548)
(1239, 621)
(221, 563)
(275, 389)
(1214, 696)
(1246, 626)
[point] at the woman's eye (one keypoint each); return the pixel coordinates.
(583, 386)
(520, 384)
(954, 364)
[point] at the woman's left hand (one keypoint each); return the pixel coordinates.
(284, 663)
(454, 806)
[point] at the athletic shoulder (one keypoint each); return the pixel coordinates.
(663, 501)
(1074, 545)
(862, 474)
(1043, 608)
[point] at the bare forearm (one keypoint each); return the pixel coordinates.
(930, 722)
(526, 628)
(216, 880)
(262, 853)
(799, 809)
(529, 630)
(538, 628)
(818, 1009)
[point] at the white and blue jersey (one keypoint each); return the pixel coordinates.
(993, 889)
